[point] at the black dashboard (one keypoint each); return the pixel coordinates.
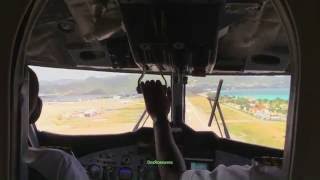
(136, 162)
(133, 163)
(124, 163)
(125, 156)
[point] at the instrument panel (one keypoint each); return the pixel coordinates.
(124, 163)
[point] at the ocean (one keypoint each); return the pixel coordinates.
(265, 93)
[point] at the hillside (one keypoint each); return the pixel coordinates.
(126, 84)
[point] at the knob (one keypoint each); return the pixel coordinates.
(126, 160)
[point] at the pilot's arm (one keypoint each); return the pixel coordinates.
(158, 100)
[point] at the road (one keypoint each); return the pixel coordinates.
(198, 119)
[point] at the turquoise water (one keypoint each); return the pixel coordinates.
(270, 93)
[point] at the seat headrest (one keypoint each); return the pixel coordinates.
(35, 103)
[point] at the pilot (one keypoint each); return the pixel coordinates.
(158, 100)
(51, 164)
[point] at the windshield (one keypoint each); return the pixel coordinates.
(79, 102)
(250, 109)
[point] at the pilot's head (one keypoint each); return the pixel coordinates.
(35, 103)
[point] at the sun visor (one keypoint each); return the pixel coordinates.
(95, 20)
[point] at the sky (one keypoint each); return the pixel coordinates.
(53, 74)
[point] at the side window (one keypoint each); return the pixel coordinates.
(251, 109)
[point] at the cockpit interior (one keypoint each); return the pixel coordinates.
(173, 38)
(225, 61)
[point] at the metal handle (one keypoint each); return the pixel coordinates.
(139, 90)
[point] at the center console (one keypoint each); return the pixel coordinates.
(124, 163)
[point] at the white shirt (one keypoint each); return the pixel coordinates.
(55, 164)
(235, 172)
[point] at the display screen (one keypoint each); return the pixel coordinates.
(199, 166)
(125, 173)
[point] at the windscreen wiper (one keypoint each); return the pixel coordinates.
(144, 116)
(214, 106)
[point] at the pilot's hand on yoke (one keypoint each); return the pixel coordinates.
(157, 98)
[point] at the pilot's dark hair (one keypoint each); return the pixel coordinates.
(35, 103)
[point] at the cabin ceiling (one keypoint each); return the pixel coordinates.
(102, 35)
